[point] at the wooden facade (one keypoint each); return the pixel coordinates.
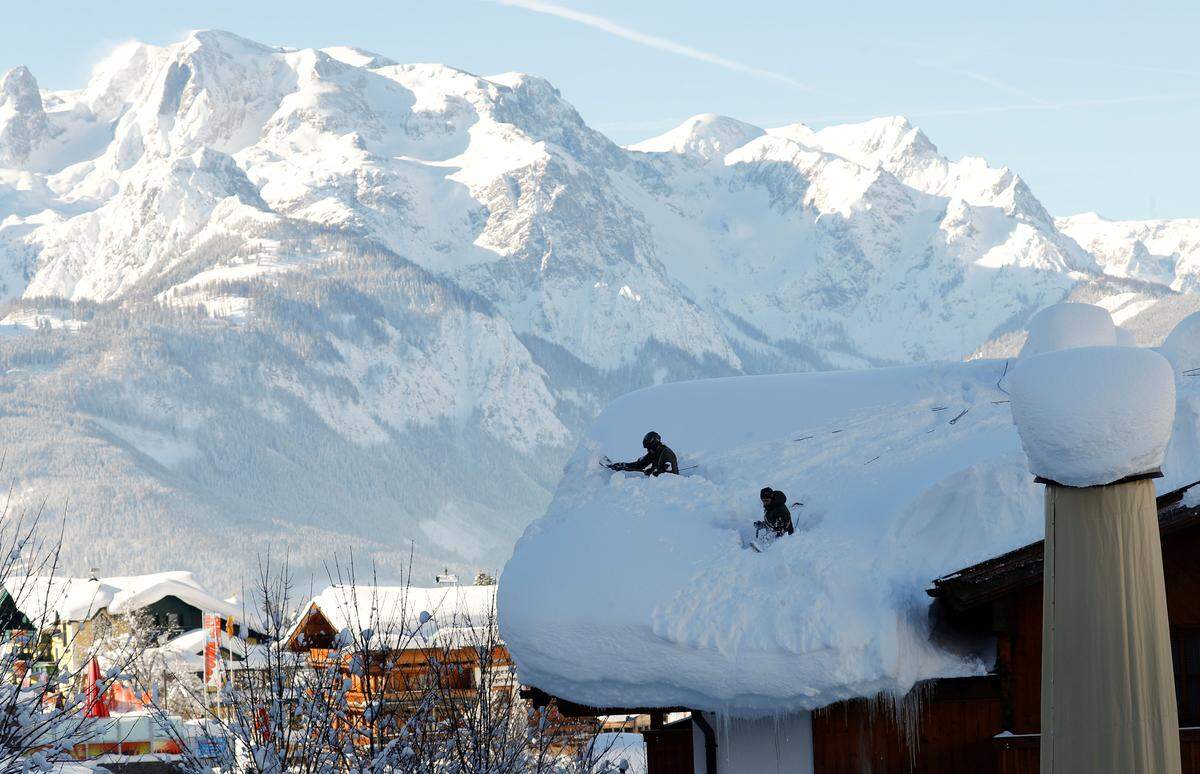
(670, 748)
(943, 726)
(991, 724)
(402, 678)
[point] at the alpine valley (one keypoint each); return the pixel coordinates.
(327, 303)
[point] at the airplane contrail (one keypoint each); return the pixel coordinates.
(652, 41)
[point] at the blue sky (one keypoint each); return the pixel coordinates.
(1096, 104)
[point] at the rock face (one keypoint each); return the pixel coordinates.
(408, 288)
(23, 123)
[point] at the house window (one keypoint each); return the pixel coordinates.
(1185, 651)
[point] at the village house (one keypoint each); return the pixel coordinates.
(398, 646)
(64, 616)
(411, 638)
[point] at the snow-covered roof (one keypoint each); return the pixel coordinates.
(632, 591)
(187, 651)
(407, 616)
(43, 599)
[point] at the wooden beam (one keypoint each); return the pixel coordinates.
(539, 698)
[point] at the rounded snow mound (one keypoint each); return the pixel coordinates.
(634, 591)
(1069, 325)
(707, 136)
(1182, 346)
(1094, 415)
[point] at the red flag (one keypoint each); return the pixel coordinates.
(96, 707)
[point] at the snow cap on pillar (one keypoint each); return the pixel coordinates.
(1182, 346)
(1094, 415)
(1069, 325)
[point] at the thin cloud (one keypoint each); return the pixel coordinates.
(651, 41)
(996, 83)
(978, 77)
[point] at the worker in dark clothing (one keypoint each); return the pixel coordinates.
(777, 519)
(658, 458)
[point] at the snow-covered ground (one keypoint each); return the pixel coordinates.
(633, 591)
(623, 752)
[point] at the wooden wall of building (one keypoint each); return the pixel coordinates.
(1019, 625)
(1019, 659)
(669, 749)
(947, 727)
(959, 721)
(1181, 565)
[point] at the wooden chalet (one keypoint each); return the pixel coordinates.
(991, 724)
(437, 641)
(399, 672)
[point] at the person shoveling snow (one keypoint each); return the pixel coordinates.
(776, 521)
(657, 460)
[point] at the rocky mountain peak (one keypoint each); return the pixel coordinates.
(23, 124)
(704, 137)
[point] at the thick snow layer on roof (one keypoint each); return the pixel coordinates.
(1094, 415)
(634, 591)
(1063, 326)
(44, 598)
(186, 651)
(637, 592)
(407, 616)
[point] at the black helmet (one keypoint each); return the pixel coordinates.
(651, 439)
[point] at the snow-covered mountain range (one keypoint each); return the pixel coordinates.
(322, 300)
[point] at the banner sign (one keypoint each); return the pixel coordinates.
(212, 651)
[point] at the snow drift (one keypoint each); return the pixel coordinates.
(637, 592)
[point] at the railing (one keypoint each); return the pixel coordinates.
(1020, 754)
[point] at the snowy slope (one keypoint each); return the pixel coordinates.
(633, 591)
(1165, 252)
(436, 279)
